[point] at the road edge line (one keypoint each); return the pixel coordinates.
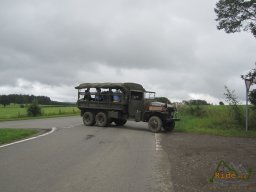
(158, 142)
(28, 139)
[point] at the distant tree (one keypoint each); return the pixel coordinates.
(163, 100)
(196, 102)
(202, 102)
(34, 109)
(4, 100)
(252, 97)
(24, 99)
(221, 103)
(236, 15)
(250, 75)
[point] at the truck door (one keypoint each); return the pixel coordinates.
(136, 100)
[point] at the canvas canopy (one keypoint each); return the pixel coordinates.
(126, 86)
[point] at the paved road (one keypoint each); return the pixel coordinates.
(61, 122)
(77, 158)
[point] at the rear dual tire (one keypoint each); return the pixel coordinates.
(101, 119)
(88, 119)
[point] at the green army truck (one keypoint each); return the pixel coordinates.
(104, 103)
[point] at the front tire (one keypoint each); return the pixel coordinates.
(101, 119)
(88, 119)
(169, 126)
(155, 124)
(120, 122)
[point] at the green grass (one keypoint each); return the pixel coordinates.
(10, 135)
(214, 120)
(14, 112)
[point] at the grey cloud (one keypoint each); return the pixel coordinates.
(172, 46)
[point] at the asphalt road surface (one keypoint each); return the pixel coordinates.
(78, 158)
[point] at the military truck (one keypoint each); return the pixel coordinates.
(104, 103)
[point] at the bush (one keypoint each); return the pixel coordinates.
(34, 109)
(193, 110)
(252, 120)
(252, 98)
(235, 109)
(197, 111)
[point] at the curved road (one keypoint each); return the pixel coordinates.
(84, 159)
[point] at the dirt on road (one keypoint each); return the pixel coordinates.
(194, 160)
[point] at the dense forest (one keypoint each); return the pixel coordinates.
(26, 99)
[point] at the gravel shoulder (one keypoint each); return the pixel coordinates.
(194, 158)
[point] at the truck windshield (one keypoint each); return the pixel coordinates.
(149, 95)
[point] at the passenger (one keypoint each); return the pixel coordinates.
(98, 96)
(87, 95)
(110, 95)
(117, 96)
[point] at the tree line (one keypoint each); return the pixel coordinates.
(27, 99)
(195, 102)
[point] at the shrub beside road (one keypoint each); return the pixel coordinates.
(16, 112)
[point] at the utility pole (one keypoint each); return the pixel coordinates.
(248, 83)
(249, 79)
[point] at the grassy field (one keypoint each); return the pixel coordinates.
(215, 120)
(10, 135)
(13, 111)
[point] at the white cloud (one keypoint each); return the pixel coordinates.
(206, 97)
(56, 93)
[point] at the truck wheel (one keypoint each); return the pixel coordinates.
(101, 119)
(88, 119)
(120, 122)
(155, 124)
(169, 126)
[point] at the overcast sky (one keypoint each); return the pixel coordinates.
(169, 46)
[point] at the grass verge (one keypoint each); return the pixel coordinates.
(209, 126)
(10, 135)
(14, 112)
